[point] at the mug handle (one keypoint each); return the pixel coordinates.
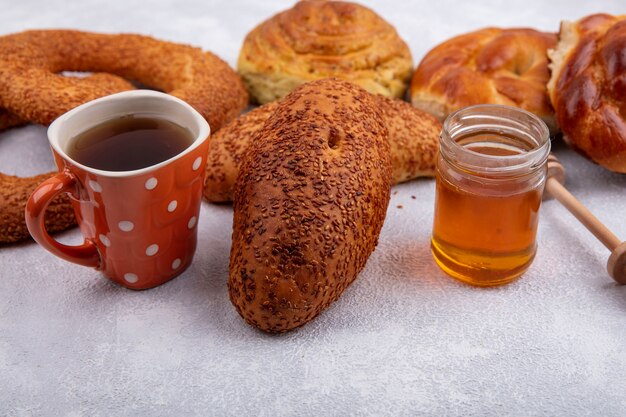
(63, 182)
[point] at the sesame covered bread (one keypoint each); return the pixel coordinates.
(413, 141)
(14, 192)
(310, 201)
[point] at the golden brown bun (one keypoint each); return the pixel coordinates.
(226, 150)
(14, 193)
(319, 39)
(103, 82)
(31, 88)
(492, 66)
(588, 88)
(413, 139)
(310, 201)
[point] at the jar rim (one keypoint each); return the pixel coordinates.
(497, 119)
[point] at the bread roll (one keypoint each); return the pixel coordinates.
(413, 140)
(310, 201)
(226, 149)
(488, 66)
(588, 88)
(319, 39)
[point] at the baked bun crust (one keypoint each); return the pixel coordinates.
(310, 200)
(14, 193)
(319, 39)
(588, 88)
(488, 66)
(413, 141)
(226, 149)
(32, 89)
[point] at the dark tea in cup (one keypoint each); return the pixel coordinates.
(129, 143)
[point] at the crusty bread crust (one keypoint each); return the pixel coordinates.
(14, 193)
(310, 200)
(31, 88)
(588, 88)
(492, 65)
(413, 140)
(226, 149)
(319, 39)
(568, 38)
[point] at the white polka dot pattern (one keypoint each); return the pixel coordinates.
(131, 278)
(152, 249)
(126, 226)
(95, 186)
(144, 224)
(105, 240)
(151, 183)
(196, 163)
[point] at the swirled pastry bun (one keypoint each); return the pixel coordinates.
(318, 39)
(488, 66)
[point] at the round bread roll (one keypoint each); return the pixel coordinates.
(413, 139)
(310, 200)
(588, 88)
(226, 149)
(489, 66)
(319, 39)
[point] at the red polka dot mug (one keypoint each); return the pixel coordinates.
(139, 226)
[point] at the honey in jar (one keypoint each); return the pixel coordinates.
(491, 171)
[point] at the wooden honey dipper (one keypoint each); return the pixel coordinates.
(616, 265)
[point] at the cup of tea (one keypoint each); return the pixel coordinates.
(132, 164)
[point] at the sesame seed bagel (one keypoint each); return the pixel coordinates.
(32, 89)
(413, 140)
(14, 193)
(310, 200)
(102, 83)
(66, 90)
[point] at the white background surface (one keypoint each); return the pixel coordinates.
(403, 340)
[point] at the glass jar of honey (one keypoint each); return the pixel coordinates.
(491, 171)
